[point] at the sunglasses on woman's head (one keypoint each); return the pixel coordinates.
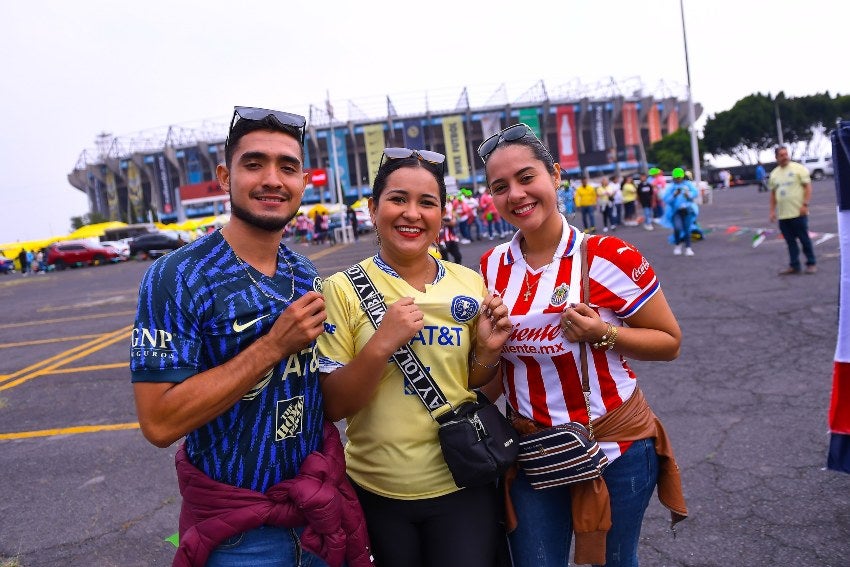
(403, 153)
(509, 134)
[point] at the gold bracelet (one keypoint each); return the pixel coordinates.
(608, 339)
(481, 364)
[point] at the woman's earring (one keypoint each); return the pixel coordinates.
(377, 238)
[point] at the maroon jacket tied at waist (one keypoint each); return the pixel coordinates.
(320, 498)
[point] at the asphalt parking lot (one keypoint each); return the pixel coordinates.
(745, 404)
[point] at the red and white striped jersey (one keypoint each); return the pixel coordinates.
(541, 372)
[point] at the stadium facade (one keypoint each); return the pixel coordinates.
(170, 176)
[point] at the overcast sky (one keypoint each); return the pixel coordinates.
(71, 70)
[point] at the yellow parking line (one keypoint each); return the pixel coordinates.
(67, 431)
(66, 319)
(55, 362)
(326, 251)
(72, 369)
(48, 341)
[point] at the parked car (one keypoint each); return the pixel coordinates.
(73, 253)
(819, 167)
(120, 246)
(7, 265)
(155, 244)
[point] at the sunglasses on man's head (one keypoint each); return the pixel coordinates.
(509, 134)
(284, 118)
(403, 153)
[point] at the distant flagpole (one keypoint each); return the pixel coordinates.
(339, 199)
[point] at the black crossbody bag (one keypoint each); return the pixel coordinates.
(477, 441)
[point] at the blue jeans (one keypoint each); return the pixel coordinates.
(543, 534)
(793, 230)
(647, 216)
(682, 221)
(587, 217)
(266, 546)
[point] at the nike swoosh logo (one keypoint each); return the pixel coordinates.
(239, 327)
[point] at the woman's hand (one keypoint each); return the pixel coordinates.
(580, 323)
(494, 326)
(401, 322)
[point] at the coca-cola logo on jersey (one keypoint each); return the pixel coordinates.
(640, 270)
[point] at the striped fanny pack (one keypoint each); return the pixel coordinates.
(558, 455)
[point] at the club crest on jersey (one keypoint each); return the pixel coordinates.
(559, 296)
(317, 285)
(289, 418)
(464, 308)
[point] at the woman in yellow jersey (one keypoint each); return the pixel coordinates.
(415, 513)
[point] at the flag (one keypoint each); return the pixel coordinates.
(838, 458)
(758, 238)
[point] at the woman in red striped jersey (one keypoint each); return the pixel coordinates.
(627, 316)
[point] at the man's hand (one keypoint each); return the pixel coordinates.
(299, 324)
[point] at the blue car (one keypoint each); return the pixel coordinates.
(7, 266)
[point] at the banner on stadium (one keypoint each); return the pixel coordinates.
(194, 171)
(97, 195)
(456, 157)
(631, 124)
(166, 188)
(373, 138)
(530, 117)
(413, 135)
(337, 138)
(135, 196)
(565, 117)
(600, 127)
(491, 123)
(673, 119)
(111, 196)
(653, 120)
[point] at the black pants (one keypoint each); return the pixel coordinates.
(461, 529)
(451, 248)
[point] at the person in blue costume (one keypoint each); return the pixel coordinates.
(681, 211)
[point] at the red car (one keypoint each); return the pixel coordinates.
(73, 253)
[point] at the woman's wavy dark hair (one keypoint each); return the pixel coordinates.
(538, 150)
(391, 165)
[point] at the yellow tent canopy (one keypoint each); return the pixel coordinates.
(93, 230)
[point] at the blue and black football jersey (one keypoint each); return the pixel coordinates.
(199, 307)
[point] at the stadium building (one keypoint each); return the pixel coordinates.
(169, 176)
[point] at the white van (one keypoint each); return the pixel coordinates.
(818, 167)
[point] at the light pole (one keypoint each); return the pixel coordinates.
(339, 198)
(691, 113)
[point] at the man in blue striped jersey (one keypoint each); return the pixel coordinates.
(224, 343)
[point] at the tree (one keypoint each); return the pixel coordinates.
(674, 150)
(750, 126)
(89, 218)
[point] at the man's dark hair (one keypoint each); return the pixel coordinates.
(245, 126)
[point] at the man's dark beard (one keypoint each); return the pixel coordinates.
(264, 223)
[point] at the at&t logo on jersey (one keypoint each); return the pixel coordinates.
(464, 308)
